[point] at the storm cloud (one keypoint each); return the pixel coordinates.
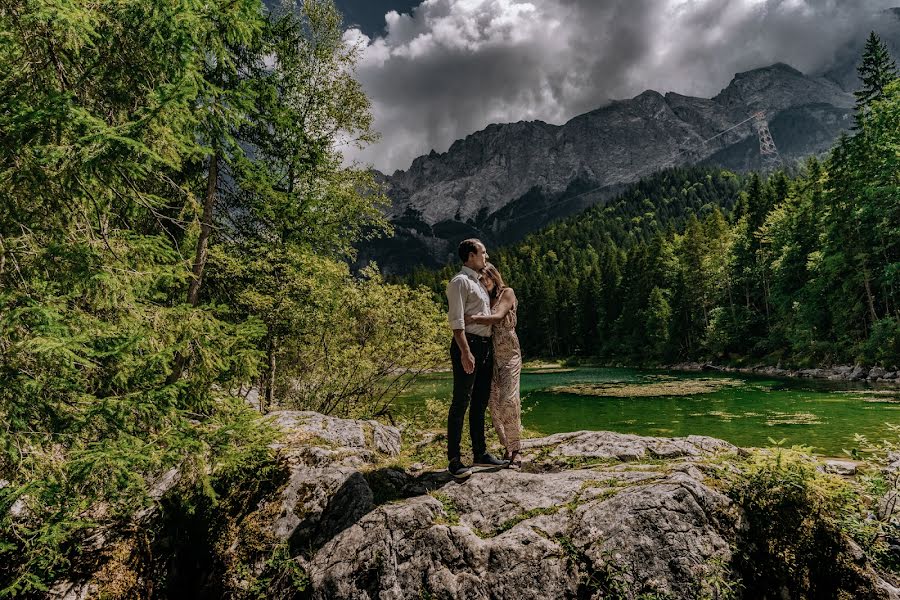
(454, 66)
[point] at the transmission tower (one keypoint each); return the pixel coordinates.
(770, 159)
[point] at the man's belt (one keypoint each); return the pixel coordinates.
(474, 337)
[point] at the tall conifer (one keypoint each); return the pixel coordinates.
(876, 71)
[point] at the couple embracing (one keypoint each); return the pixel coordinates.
(487, 361)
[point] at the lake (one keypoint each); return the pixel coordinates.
(744, 410)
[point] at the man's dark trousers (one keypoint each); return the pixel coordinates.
(474, 388)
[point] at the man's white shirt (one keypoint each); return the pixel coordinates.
(466, 296)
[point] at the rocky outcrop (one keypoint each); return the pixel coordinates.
(521, 535)
(549, 533)
(591, 515)
(230, 545)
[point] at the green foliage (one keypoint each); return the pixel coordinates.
(880, 492)
(796, 519)
(174, 222)
(365, 341)
(279, 566)
(450, 511)
(876, 72)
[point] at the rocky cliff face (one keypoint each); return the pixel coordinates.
(507, 180)
(592, 515)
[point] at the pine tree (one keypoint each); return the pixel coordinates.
(876, 71)
(123, 126)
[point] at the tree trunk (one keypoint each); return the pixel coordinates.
(269, 397)
(193, 295)
(209, 202)
(869, 296)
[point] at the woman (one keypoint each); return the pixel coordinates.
(504, 403)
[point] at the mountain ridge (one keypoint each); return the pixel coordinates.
(505, 180)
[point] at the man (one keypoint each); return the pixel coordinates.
(472, 356)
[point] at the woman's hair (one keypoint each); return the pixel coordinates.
(491, 272)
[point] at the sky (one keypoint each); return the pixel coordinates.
(438, 70)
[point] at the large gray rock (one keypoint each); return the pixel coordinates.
(599, 445)
(858, 372)
(638, 518)
(521, 535)
(342, 434)
(508, 534)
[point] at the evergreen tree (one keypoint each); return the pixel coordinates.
(134, 310)
(876, 71)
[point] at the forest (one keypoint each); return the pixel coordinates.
(800, 266)
(176, 226)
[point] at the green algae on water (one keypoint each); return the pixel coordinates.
(680, 387)
(785, 418)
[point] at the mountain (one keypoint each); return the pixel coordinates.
(507, 180)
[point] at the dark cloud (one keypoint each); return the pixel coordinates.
(452, 67)
(368, 15)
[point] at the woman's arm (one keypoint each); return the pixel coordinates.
(504, 305)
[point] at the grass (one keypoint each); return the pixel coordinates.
(450, 511)
(528, 514)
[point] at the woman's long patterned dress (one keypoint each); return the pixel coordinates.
(505, 404)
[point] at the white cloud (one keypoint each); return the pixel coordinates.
(455, 66)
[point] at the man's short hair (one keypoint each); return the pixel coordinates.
(467, 247)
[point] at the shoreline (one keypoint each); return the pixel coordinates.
(846, 373)
(889, 377)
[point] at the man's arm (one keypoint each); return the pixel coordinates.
(468, 359)
(504, 305)
(456, 300)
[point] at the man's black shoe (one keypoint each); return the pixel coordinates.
(489, 460)
(459, 470)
